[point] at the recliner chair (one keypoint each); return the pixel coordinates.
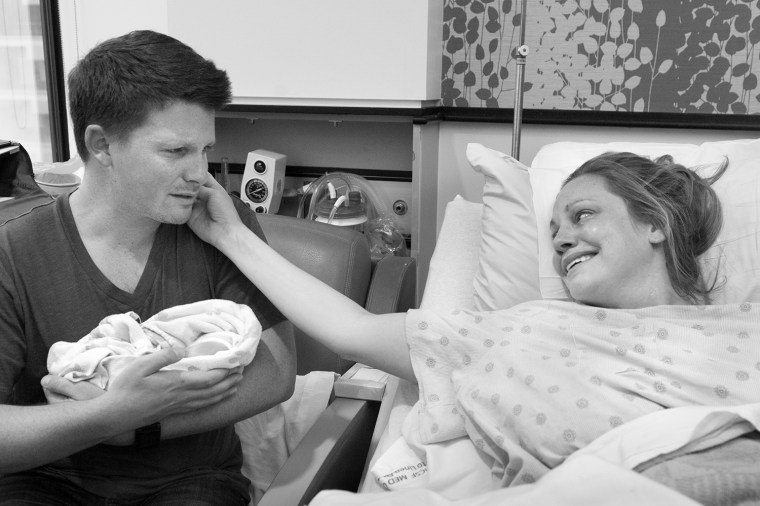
(342, 435)
(340, 257)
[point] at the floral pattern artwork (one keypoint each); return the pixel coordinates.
(674, 56)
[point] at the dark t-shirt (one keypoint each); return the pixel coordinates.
(51, 290)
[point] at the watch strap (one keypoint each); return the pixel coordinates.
(148, 436)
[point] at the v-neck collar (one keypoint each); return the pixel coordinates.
(149, 274)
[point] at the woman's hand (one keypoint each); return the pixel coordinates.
(214, 217)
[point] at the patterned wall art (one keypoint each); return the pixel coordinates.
(697, 57)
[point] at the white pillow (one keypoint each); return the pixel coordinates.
(507, 271)
(453, 264)
(738, 190)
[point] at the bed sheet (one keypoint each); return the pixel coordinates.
(568, 485)
(605, 472)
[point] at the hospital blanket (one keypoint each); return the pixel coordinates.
(208, 334)
(533, 384)
(723, 439)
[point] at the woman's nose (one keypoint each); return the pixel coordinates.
(563, 240)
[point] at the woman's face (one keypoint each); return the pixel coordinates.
(604, 257)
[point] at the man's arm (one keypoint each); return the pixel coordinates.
(267, 381)
(36, 435)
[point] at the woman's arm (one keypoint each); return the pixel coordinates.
(328, 316)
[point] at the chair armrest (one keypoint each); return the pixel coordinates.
(393, 286)
(328, 456)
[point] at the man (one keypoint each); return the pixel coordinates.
(142, 106)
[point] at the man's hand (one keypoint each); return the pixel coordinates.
(143, 389)
(59, 389)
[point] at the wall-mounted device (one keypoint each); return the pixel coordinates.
(263, 180)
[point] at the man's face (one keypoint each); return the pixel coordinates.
(159, 168)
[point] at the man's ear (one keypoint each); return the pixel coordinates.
(656, 235)
(97, 144)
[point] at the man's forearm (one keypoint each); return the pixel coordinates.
(35, 435)
(267, 381)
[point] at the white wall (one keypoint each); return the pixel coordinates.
(456, 177)
(311, 53)
(85, 23)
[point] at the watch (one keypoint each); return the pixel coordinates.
(148, 436)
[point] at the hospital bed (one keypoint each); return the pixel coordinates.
(497, 253)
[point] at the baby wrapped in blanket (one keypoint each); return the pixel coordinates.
(209, 334)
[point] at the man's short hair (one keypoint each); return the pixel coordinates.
(122, 80)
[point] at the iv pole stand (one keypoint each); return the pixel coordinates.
(520, 54)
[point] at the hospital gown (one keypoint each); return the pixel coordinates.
(532, 384)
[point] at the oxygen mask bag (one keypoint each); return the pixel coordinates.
(349, 200)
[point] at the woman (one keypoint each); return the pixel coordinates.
(533, 383)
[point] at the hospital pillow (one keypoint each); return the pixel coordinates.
(507, 272)
(454, 261)
(736, 249)
(516, 254)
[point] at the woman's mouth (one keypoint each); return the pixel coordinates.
(577, 261)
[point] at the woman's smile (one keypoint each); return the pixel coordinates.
(606, 257)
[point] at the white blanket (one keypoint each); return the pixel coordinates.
(270, 437)
(209, 334)
(600, 474)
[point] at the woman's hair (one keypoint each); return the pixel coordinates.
(675, 200)
(122, 80)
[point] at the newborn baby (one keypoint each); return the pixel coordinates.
(209, 334)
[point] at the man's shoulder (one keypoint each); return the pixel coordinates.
(25, 209)
(30, 219)
(29, 238)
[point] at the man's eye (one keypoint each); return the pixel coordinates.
(176, 151)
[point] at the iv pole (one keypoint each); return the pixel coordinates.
(520, 54)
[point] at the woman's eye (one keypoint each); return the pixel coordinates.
(175, 151)
(580, 215)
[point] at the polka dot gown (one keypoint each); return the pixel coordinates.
(531, 384)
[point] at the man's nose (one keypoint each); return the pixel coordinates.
(197, 167)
